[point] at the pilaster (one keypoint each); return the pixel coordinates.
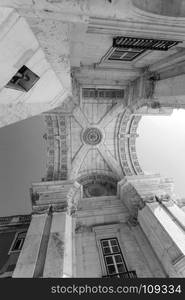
(48, 248)
(28, 257)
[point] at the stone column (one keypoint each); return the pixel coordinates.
(166, 238)
(55, 252)
(28, 257)
(59, 255)
(144, 196)
(68, 249)
(173, 210)
(48, 248)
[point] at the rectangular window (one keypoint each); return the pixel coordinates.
(125, 54)
(113, 258)
(102, 93)
(18, 242)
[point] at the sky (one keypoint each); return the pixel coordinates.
(22, 161)
(160, 148)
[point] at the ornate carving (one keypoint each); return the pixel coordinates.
(92, 136)
(56, 146)
(154, 198)
(81, 228)
(155, 104)
(59, 207)
(149, 84)
(34, 197)
(126, 143)
(40, 209)
(49, 208)
(73, 197)
(149, 199)
(132, 221)
(163, 198)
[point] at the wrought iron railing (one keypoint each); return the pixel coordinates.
(129, 274)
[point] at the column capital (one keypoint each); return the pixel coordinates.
(137, 191)
(149, 82)
(60, 196)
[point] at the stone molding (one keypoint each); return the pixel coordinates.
(137, 191)
(67, 204)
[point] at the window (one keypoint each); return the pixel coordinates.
(124, 54)
(18, 241)
(113, 258)
(23, 80)
(102, 93)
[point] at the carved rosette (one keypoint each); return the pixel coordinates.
(92, 136)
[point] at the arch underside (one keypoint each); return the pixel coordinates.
(108, 156)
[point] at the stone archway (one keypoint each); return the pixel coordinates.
(126, 143)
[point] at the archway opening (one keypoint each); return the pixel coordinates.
(161, 147)
(23, 161)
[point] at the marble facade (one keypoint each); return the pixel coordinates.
(95, 188)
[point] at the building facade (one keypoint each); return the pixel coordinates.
(93, 69)
(12, 235)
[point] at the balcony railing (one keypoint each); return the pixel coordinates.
(129, 274)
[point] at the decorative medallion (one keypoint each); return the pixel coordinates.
(92, 136)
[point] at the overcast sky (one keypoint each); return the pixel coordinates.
(22, 161)
(160, 148)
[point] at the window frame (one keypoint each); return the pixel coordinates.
(12, 250)
(108, 231)
(113, 254)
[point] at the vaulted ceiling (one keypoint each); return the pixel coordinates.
(87, 96)
(93, 142)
